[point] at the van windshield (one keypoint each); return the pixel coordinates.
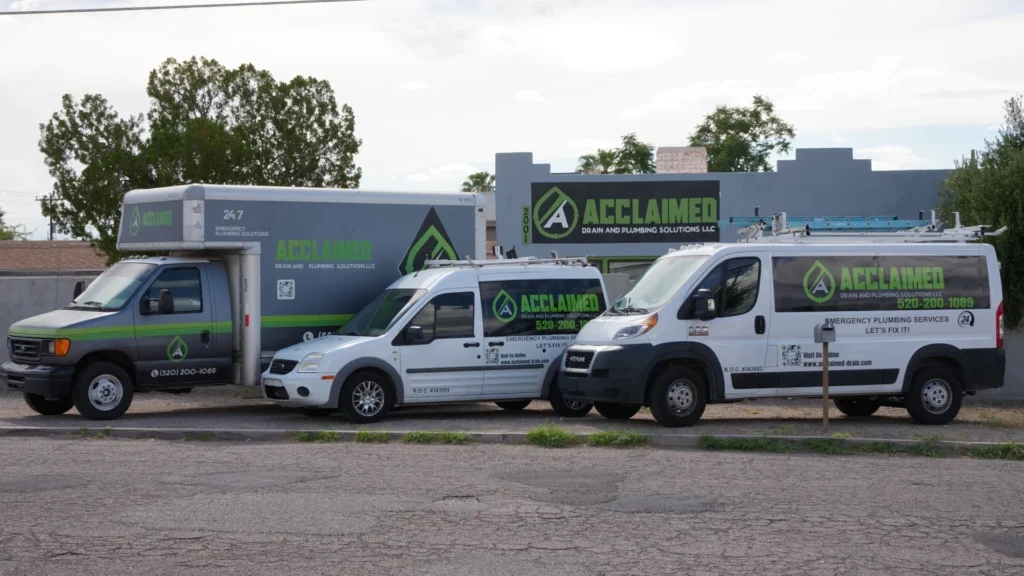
(657, 286)
(377, 317)
(112, 289)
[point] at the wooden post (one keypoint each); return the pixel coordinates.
(824, 386)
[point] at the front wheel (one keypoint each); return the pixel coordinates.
(513, 405)
(616, 411)
(102, 391)
(365, 398)
(568, 408)
(857, 407)
(678, 397)
(935, 396)
(41, 405)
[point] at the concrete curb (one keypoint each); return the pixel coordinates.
(685, 441)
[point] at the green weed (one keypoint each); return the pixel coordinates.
(318, 436)
(549, 436)
(371, 436)
(745, 444)
(825, 446)
(1001, 451)
(619, 438)
(437, 437)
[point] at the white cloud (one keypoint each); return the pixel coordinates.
(418, 177)
(893, 157)
(839, 139)
(528, 96)
(413, 86)
(590, 144)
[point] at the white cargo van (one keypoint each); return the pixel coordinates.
(917, 325)
(458, 331)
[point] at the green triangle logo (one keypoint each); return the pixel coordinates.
(819, 283)
(177, 350)
(555, 214)
(136, 221)
(504, 307)
(432, 243)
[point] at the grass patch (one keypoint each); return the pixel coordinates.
(83, 432)
(784, 430)
(103, 434)
(371, 436)
(826, 446)
(437, 437)
(619, 438)
(318, 436)
(1001, 451)
(878, 448)
(842, 435)
(928, 448)
(745, 444)
(549, 436)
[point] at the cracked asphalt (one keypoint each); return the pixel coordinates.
(111, 507)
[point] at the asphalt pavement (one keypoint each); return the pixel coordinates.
(112, 507)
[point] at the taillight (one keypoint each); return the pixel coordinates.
(999, 326)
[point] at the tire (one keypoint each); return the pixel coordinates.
(857, 407)
(318, 412)
(935, 396)
(102, 391)
(678, 397)
(567, 408)
(366, 397)
(39, 404)
(616, 411)
(514, 405)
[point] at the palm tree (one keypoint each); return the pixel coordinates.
(479, 182)
(602, 162)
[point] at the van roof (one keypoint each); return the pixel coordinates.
(468, 276)
(805, 248)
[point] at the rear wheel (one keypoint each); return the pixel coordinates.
(365, 397)
(568, 408)
(616, 411)
(513, 405)
(857, 407)
(48, 407)
(935, 396)
(102, 391)
(678, 397)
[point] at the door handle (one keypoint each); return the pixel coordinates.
(759, 324)
(495, 343)
(471, 345)
(205, 336)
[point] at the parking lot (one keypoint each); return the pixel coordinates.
(230, 408)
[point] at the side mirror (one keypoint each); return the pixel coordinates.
(166, 303)
(414, 334)
(704, 305)
(79, 287)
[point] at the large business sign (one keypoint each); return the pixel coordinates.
(624, 212)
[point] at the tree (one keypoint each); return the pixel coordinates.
(479, 182)
(7, 232)
(206, 123)
(631, 157)
(743, 139)
(988, 188)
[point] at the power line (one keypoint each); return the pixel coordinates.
(169, 7)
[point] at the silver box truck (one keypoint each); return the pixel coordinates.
(251, 270)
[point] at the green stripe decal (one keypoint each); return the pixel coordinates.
(307, 321)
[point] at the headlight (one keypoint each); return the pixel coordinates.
(58, 347)
(311, 362)
(634, 330)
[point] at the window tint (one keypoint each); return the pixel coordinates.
(447, 316)
(185, 287)
(734, 285)
(540, 307)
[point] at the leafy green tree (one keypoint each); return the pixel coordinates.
(601, 162)
(988, 188)
(479, 182)
(206, 123)
(8, 232)
(743, 139)
(631, 157)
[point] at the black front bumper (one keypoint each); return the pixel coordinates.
(616, 375)
(43, 379)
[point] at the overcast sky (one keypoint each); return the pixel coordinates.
(439, 86)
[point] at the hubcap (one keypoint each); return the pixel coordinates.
(105, 392)
(368, 398)
(936, 396)
(574, 404)
(681, 397)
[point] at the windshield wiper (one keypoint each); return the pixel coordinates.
(631, 310)
(90, 305)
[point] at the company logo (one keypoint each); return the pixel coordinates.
(555, 214)
(966, 319)
(819, 283)
(136, 221)
(177, 350)
(504, 307)
(432, 243)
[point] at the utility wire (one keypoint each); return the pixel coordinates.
(168, 7)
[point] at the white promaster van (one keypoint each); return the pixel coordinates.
(460, 331)
(916, 325)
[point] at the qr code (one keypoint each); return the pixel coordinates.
(791, 355)
(286, 289)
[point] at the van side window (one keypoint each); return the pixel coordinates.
(734, 285)
(185, 287)
(539, 307)
(447, 316)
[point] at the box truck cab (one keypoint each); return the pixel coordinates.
(252, 270)
(455, 332)
(916, 325)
